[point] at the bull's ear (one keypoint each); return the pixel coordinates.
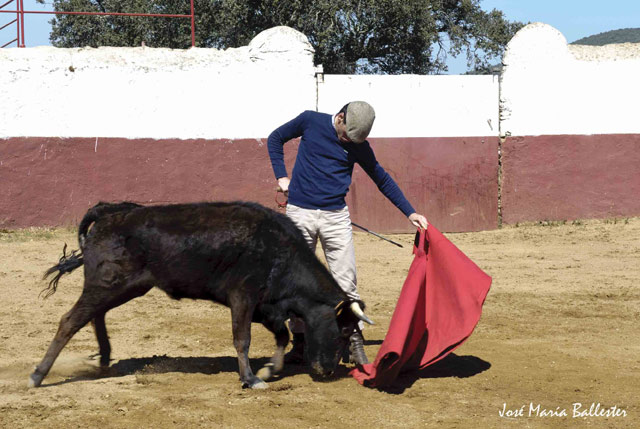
(357, 311)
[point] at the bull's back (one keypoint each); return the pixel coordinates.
(190, 250)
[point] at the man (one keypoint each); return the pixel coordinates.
(329, 148)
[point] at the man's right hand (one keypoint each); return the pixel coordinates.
(283, 185)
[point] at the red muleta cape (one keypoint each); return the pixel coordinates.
(439, 306)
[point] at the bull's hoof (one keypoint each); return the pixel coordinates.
(260, 385)
(255, 383)
(266, 372)
(35, 380)
(104, 360)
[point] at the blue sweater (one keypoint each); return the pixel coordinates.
(324, 165)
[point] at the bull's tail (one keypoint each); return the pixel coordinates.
(96, 212)
(66, 264)
(70, 262)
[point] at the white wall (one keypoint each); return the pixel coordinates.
(157, 93)
(549, 87)
(419, 106)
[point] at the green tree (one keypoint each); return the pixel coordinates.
(349, 36)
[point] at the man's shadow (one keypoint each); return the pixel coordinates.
(450, 366)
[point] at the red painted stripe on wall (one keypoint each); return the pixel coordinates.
(53, 181)
(565, 177)
(453, 181)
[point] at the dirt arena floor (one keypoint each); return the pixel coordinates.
(560, 326)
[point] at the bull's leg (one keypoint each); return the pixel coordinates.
(81, 313)
(103, 339)
(277, 361)
(131, 291)
(92, 305)
(241, 315)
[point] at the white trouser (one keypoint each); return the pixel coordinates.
(333, 228)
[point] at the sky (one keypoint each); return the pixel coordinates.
(574, 18)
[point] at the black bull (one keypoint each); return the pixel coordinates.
(242, 255)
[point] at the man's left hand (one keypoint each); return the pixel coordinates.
(418, 220)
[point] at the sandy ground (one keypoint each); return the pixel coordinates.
(560, 326)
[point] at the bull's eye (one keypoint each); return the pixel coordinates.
(346, 332)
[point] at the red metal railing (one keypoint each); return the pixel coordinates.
(19, 40)
(20, 12)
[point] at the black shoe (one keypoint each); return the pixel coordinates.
(296, 354)
(356, 349)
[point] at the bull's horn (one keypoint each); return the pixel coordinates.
(355, 307)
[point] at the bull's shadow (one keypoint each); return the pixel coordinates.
(186, 365)
(450, 366)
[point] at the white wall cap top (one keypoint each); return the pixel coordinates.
(539, 41)
(30, 59)
(279, 40)
(275, 45)
(612, 52)
(534, 42)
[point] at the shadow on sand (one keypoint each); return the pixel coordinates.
(451, 366)
(186, 365)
